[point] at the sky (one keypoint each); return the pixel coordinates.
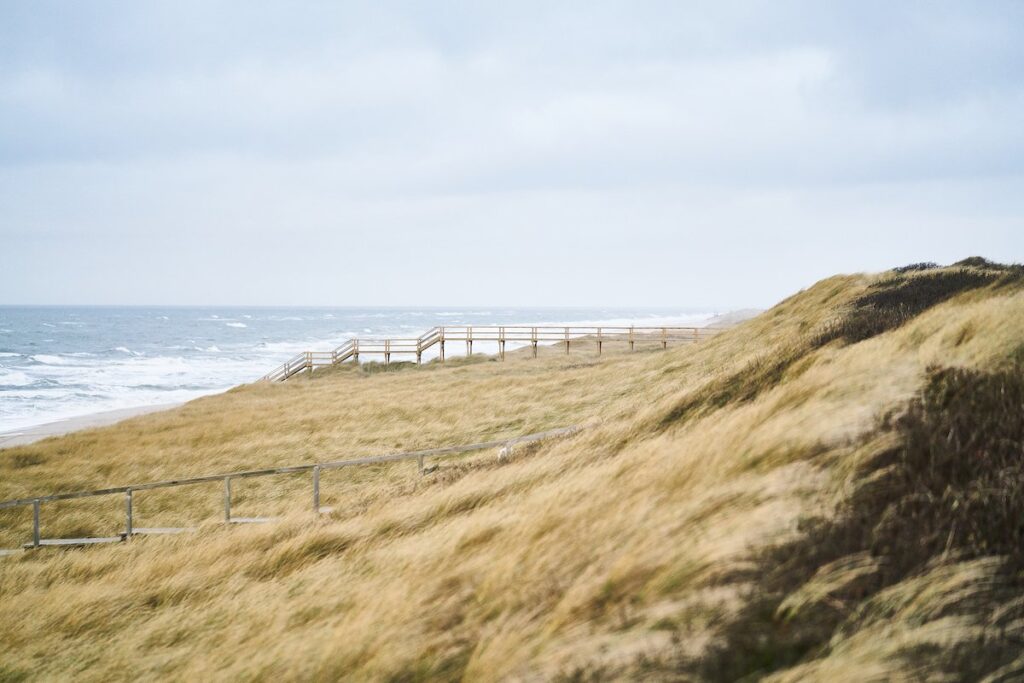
(528, 153)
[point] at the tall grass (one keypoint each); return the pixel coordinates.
(739, 508)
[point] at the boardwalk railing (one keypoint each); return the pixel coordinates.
(532, 335)
(316, 468)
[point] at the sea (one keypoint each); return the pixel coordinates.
(61, 362)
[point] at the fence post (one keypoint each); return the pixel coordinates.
(309, 362)
(599, 341)
(128, 513)
(630, 337)
(567, 341)
(227, 499)
(35, 523)
(664, 338)
(316, 489)
(533, 340)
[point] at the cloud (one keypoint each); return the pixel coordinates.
(380, 134)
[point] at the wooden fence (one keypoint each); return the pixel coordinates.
(501, 334)
(315, 469)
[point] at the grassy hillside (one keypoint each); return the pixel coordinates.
(831, 491)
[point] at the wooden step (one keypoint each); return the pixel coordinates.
(52, 542)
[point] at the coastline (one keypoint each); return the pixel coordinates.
(27, 435)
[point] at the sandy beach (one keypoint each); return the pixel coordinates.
(26, 435)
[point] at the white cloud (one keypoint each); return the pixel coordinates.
(608, 136)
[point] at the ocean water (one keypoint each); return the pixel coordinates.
(61, 362)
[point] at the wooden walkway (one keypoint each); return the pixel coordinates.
(315, 469)
(520, 335)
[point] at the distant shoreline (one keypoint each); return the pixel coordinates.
(27, 435)
(60, 427)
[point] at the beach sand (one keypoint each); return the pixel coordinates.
(20, 437)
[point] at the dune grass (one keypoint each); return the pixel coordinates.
(783, 500)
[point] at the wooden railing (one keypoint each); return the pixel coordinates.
(532, 335)
(315, 468)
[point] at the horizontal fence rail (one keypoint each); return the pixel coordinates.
(501, 334)
(420, 456)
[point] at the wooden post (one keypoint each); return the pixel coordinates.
(533, 340)
(501, 343)
(664, 338)
(35, 523)
(419, 357)
(567, 341)
(631, 338)
(442, 350)
(387, 352)
(599, 341)
(227, 499)
(128, 513)
(316, 489)
(355, 350)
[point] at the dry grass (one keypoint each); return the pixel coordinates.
(678, 539)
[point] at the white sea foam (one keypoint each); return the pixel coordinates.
(47, 359)
(236, 324)
(5, 354)
(14, 378)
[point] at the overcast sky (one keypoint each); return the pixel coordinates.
(592, 153)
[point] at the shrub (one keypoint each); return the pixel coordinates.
(913, 267)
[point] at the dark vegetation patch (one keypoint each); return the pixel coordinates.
(26, 459)
(952, 490)
(12, 675)
(756, 377)
(914, 289)
(980, 262)
(375, 368)
(915, 267)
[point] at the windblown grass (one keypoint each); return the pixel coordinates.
(764, 504)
